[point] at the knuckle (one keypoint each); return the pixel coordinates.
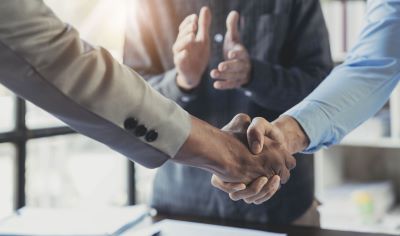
(259, 119)
(241, 117)
(233, 197)
(214, 182)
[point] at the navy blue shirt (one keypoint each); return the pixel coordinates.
(289, 48)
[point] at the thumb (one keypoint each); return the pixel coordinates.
(232, 31)
(204, 24)
(258, 130)
(239, 123)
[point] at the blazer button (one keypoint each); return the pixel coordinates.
(151, 136)
(140, 131)
(130, 123)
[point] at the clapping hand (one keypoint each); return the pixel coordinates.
(234, 72)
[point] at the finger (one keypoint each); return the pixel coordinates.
(204, 24)
(290, 162)
(239, 123)
(238, 52)
(252, 190)
(183, 43)
(271, 192)
(232, 21)
(188, 20)
(228, 75)
(258, 129)
(285, 175)
(268, 189)
(234, 65)
(227, 84)
(226, 187)
(188, 29)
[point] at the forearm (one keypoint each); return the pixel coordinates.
(45, 61)
(358, 88)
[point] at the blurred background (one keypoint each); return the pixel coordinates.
(45, 164)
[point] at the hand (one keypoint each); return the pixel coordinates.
(192, 49)
(234, 72)
(223, 154)
(262, 189)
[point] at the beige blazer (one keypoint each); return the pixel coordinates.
(43, 60)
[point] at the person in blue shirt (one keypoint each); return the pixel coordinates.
(351, 94)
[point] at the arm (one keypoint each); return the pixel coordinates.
(351, 94)
(44, 61)
(358, 88)
(151, 54)
(306, 61)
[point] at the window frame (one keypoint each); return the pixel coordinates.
(19, 137)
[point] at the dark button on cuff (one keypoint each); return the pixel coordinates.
(151, 136)
(130, 123)
(140, 131)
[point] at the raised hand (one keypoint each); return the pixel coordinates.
(259, 133)
(192, 49)
(234, 72)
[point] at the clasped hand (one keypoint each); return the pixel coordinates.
(262, 138)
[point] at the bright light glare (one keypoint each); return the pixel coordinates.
(100, 23)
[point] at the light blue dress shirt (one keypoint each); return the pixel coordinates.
(358, 88)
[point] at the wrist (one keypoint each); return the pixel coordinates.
(185, 84)
(202, 148)
(296, 139)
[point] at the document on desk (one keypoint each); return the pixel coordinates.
(82, 222)
(183, 228)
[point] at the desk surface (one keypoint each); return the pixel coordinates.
(290, 230)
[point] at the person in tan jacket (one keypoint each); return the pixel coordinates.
(44, 61)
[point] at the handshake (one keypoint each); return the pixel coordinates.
(249, 159)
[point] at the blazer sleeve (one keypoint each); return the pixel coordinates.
(43, 60)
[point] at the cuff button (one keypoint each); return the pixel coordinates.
(151, 136)
(130, 123)
(140, 131)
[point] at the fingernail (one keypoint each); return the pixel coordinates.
(255, 146)
(264, 180)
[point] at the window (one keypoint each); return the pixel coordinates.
(7, 173)
(36, 118)
(7, 110)
(74, 170)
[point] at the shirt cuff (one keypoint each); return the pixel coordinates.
(315, 124)
(172, 90)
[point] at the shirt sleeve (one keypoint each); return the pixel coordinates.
(44, 60)
(359, 87)
(305, 61)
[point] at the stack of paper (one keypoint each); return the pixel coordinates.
(55, 222)
(182, 228)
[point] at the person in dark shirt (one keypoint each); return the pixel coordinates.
(256, 57)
